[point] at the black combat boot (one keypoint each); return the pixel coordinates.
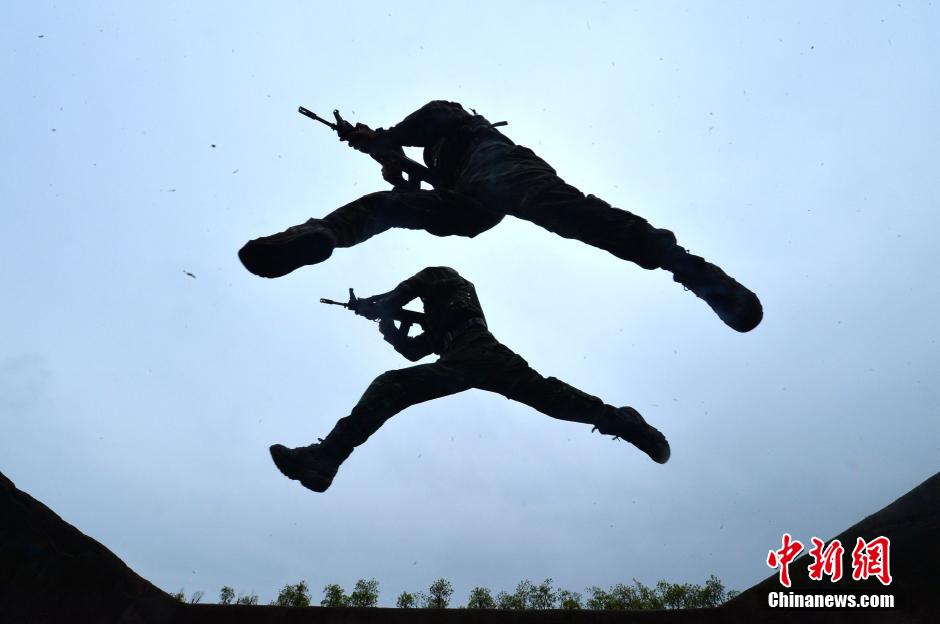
(314, 466)
(626, 423)
(297, 246)
(734, 304)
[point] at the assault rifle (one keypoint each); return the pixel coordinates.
(407, 318)
(391, 157)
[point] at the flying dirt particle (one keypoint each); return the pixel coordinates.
(212, 145)
(53, 129)
(236, 171)
(40, 36)
(189, 274)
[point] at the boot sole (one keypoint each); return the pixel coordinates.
(292, 469)
(275, 258)
(737, 306)
(649, 439)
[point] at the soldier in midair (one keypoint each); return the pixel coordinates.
(470, 357)
(480, 176)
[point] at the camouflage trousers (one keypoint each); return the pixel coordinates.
(474, 360)
(501, 179)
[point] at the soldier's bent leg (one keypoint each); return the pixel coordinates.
(563, 209)
(504, 372)
(391, 392)
(442, 213)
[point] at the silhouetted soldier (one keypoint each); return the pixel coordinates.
(454, 328)
(481, 176)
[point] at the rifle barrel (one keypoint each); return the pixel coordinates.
(312, 115)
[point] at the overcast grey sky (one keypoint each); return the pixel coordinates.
(793, 144)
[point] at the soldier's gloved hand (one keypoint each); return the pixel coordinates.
(362, 137)
(393, 175)
(390, 333)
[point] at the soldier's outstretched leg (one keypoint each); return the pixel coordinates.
(492, 366)
(441, 213)
(391, 392)
(564, 210)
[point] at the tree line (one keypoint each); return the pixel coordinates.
(526, 596)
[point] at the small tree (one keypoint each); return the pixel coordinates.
(226, 595)
(293, 596)
(649, 597)
(543, 595)
(505, 600)
(334, 596)
(481, 598)
(713, 593)
(598, 598)
(405, 601)
(439, 594)
(247, 599)
(568, 599)
(364, 594)
(181, 596)
(523, 594)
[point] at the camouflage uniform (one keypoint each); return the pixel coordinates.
(470, 357)
(481, 177)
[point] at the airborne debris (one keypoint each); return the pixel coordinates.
(189, 274)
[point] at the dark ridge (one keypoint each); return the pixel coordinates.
(52, 572)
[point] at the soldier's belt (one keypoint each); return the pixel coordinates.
(474, 322)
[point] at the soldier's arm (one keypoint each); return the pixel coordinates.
(412, 347)
(419, 284)
(424, 126)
